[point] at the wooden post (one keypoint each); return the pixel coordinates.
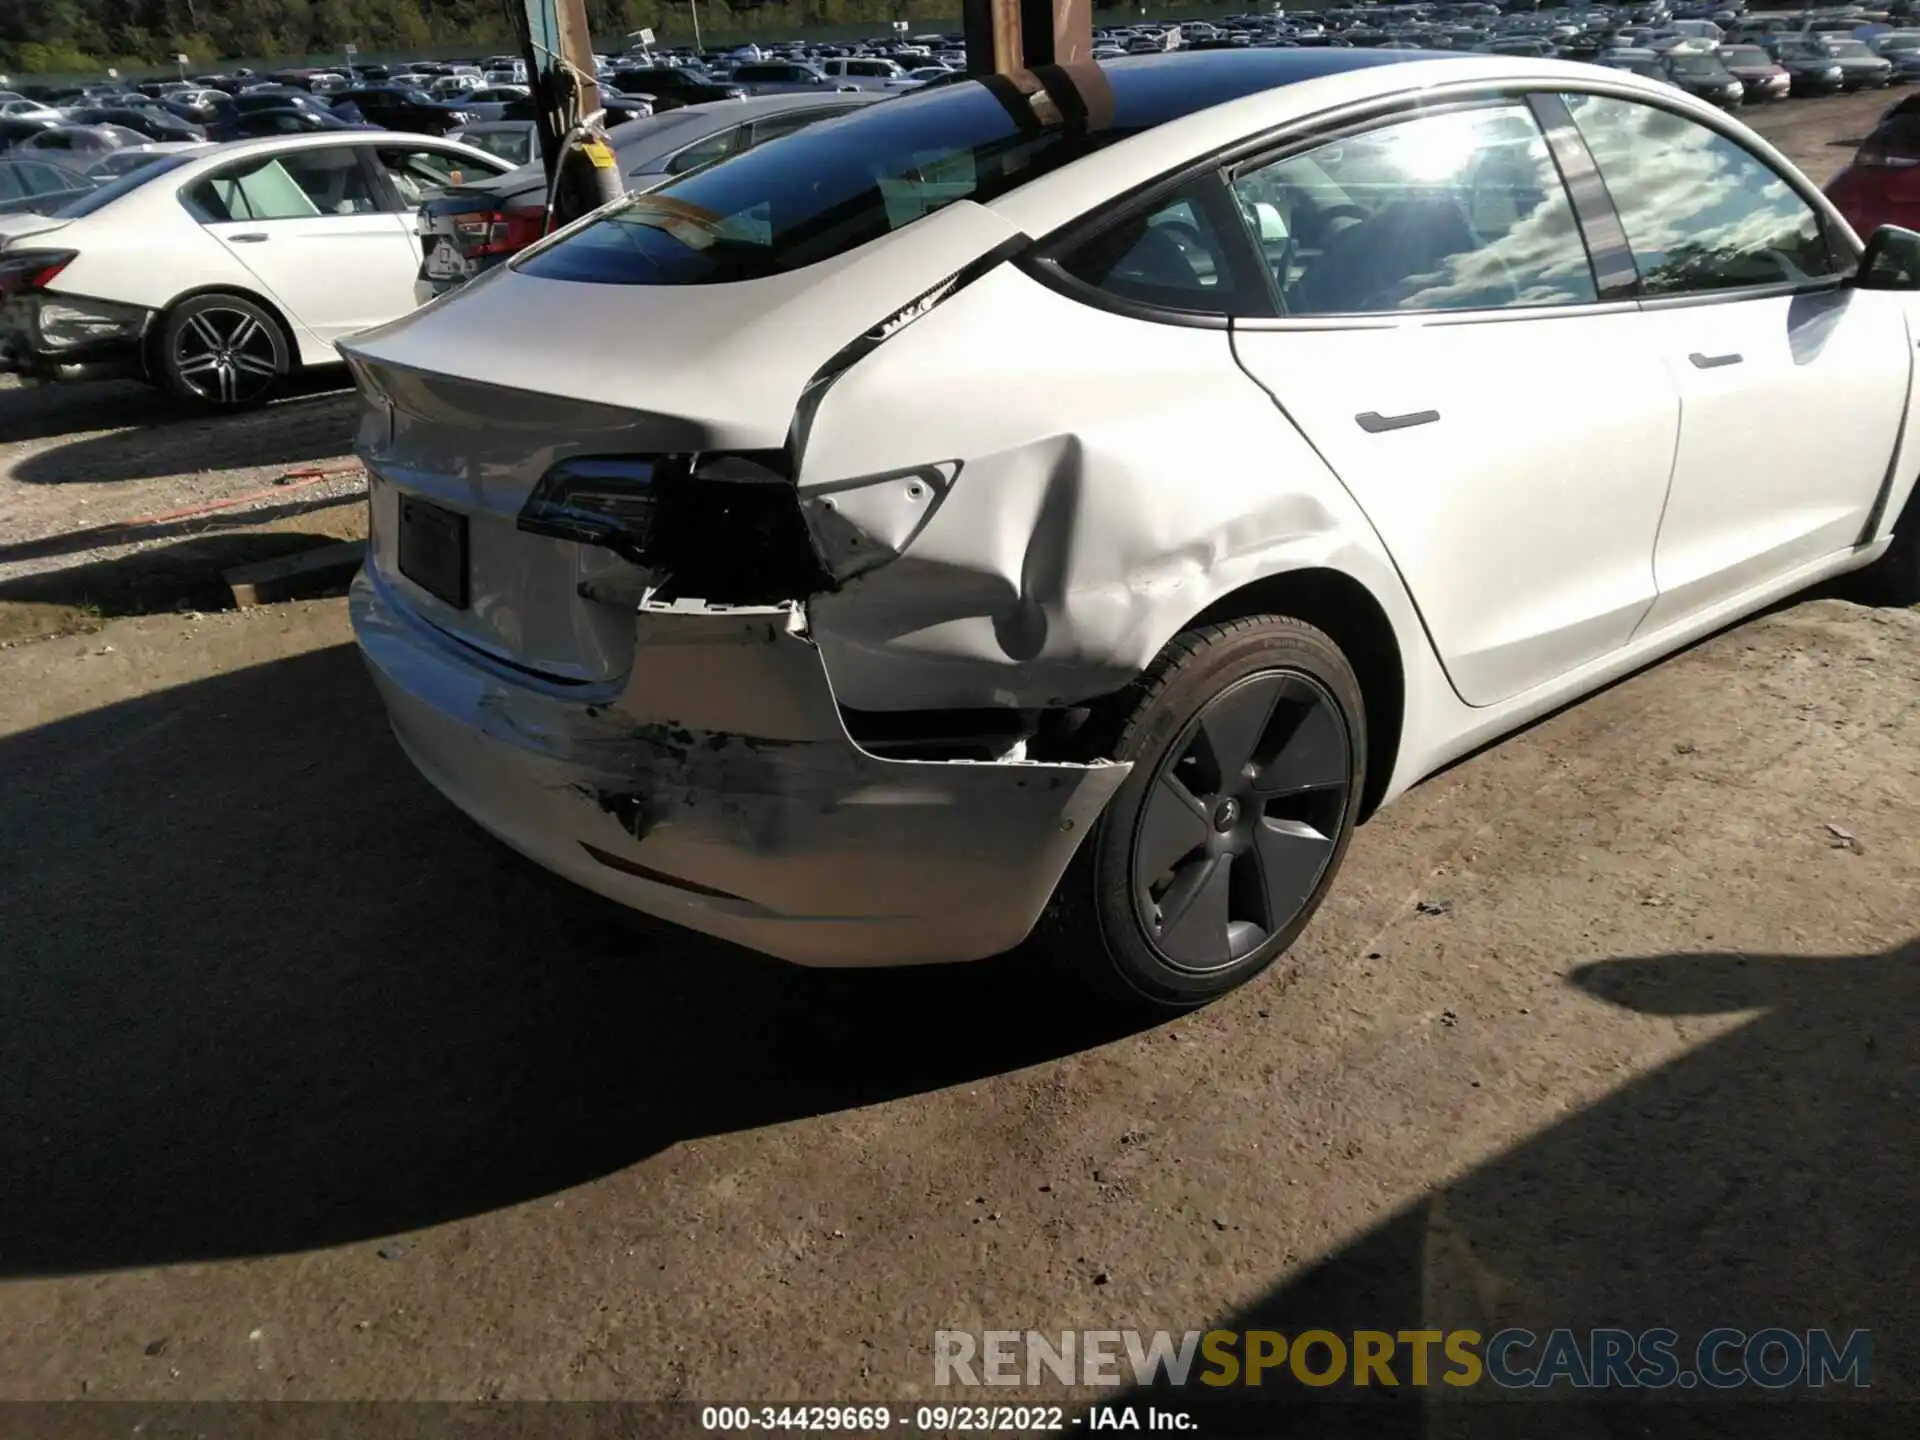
(1056, 32)
(558, 47)
(1008, 35)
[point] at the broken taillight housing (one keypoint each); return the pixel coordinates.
(596, 501)
(25, 270)
(726, 528)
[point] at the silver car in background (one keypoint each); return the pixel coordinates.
(469, 229)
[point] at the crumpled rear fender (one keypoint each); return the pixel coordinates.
(1087, 484)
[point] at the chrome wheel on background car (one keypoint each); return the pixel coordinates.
(224, 351)
(1248, 742)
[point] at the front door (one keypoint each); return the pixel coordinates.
(1443, 347)
(1792, 386)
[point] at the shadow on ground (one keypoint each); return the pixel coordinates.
(1765, 1178)
(187, 573)
(266, 991)
(152, 434)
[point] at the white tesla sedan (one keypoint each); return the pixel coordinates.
(219, 271)
(1091, 492)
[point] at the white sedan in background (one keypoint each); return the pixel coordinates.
(1103, 498)
(219, 272)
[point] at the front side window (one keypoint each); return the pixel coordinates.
(1169, 255)
(299, 185)
(1701, 213)
(1462, 210)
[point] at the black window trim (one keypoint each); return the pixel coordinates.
(1615, 276)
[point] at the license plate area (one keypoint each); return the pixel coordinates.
(433, 550)
(443, 260)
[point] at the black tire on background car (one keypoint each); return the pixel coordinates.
(1248, 742)
(223, 351)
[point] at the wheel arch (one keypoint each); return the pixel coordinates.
(1350, 614)
(288, 330)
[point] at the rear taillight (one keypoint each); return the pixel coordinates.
(726, 528)
(32, 269)
(497, 232)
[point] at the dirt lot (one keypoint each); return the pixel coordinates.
(310, 1090)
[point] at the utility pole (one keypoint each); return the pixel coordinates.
(582, 174)
(1008, 35)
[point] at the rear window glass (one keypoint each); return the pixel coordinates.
(817, 194)
(835, 186)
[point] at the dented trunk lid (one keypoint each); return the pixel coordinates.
(469, 401)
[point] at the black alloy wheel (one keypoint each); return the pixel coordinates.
(1242, 820)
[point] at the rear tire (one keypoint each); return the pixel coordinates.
(1248, 742)
(223, 351)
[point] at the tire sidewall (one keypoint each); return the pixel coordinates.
(1270, 644)
(176, 321)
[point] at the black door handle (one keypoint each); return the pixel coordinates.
(1374, 423)
(253, 238)
(1712, 362)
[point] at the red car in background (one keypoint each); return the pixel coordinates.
(1882, 185)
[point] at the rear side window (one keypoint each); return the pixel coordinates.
(1170, 256)
(1456, 211)
(1701, 213)
(300, 185)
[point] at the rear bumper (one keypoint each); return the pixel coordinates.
(50, 352)
(719, 790)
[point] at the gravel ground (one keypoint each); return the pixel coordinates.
(309, 1089)
(81, 467)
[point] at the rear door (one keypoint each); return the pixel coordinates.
(1445, 345)
(1793, 386)
(311, 227)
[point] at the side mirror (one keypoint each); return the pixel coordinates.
(1891, 261)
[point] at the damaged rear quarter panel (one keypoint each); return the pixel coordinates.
(1115, 478)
